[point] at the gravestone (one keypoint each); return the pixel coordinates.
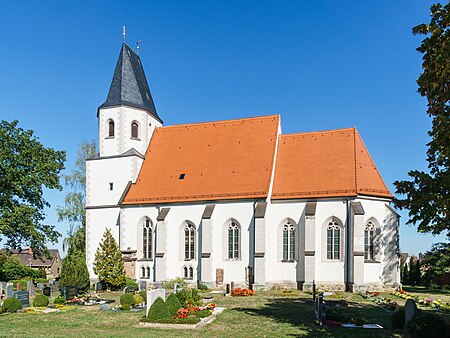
(30, 288)
(410, 310)
(151, 297)
(142, 285)
(98, 286)
(9, 291)
(128, 289)
(219, 276)
(232, 286)
(175, 288)
(47, 291)
(23, 297)
(227, 289)
(19, 286)
(41, 286)
(69, 292)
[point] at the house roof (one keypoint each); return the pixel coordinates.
(331, 163)
(25, 257)
(208, 161)
(129, 85)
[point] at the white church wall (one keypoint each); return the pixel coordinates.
(109, 146)
(97, 220)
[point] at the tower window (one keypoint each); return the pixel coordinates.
(134, 130)
(182, 176)
(111, 128)
(111, 186)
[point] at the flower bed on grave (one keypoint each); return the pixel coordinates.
(428, 302)
(171, 314)
(238, 292)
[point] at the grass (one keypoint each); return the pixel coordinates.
(267, 314)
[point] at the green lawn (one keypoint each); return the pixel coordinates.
(267, 314)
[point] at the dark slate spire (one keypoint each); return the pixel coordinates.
(129, 86)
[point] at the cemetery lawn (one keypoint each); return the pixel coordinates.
(267, 314)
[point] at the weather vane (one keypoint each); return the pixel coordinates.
(124, 33)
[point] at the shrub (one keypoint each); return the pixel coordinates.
(173, 304)
(203, 287)
(129, 281)
(398, 319)
(126, 307)
(59, 300)
(170, 283)
(143, 295)
(428, 325)
(11, 305)
(127, 298)
(137, 299)
(203, 313)
(158, 311)
(40, 301)
(40, 280)
(188, 297)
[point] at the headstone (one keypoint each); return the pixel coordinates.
(69, 292)
(142, 285)
(152, 295)
(232, 286)
(47, 291)
(30, 288)
(10, 291)
(227, 289)
(219, 276)
(175, 288)
(41, 286)
(19, 286)
(1, 287)
(23, 297)
(98, 286)
(128, 289)
(410, 310)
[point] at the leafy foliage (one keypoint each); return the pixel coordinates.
(158, 311)
(131, 282)
(188, 297)
(169, 284)
(427, 194)
(127, 298)
(12, 270)
(40, 301)
(26, 167)
(143, 295)
(59, 300)
(108, 263)
(428, 325)
(436, 262)
(11, 305)
(173, 304)
(74, 269)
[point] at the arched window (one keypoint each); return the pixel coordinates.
(288, 242)
(191, 272)
(189, 242)
(134, 130)
(233, 241)
(142, 272)
(333, 240)
(369, 239)
(188, 272)
(111, 128)
(147, 237)
(148, 272)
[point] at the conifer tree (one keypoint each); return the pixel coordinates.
(108, 263)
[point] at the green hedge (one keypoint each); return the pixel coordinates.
(173, 304)
(127, 298)
(428, 325)
(158, 311)
(40, 301)
(11, 305)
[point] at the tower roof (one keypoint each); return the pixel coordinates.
(129, 85)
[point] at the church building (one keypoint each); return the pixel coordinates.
(235, 200)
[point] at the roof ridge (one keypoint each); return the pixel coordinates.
(355, 159)
(317, 132)
(219, 121)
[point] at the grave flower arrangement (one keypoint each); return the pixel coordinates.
(238, 292)
(334, 323)
(429, 302)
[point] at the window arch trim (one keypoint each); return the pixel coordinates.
(134, 130)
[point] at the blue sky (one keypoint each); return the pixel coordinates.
(320, 64)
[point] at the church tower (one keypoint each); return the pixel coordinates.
(128, 117)
(126, 122)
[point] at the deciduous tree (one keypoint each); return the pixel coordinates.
(427, 194)
(26, 167)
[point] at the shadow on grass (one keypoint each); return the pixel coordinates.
(300, 312)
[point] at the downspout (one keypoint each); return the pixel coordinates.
(251, 262)
(199, 253)
(348, 246)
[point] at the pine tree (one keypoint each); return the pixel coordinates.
(412, 270)
(108, 263)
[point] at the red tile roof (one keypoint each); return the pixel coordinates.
(234, 160)
(219, 160)
(331, 163)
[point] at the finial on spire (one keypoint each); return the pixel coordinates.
(124, 33)
(138, 47)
